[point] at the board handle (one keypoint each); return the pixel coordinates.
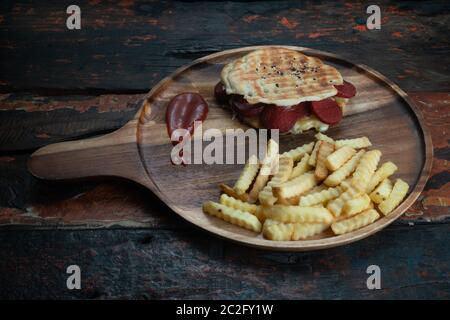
(114, 154)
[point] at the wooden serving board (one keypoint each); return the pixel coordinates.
(140, 150)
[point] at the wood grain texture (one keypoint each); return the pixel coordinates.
(167, 264)
(27, 202)
(437, 191)
(130, 45)
(125, 48)
(30, 121)
(142, 146)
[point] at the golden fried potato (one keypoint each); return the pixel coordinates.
(336, 205)
(357, 143)
(295, 187)
(301, 167)
(387, 169)
(323, 137)
(365, 169)
(299, 152)
(356, 222)
(306, 230)
(331, 185)
(266, 197)
(277, 231)
(343, 172)
(232, 193)
(356, 205)
(320, 197)
(240, 218)
(238, 204)
(325, 149)
(382, 191)
(247, 175)
(317, 188)
(292, 214)
(337, 159)
(292, 201)
(264, 173)
(399, 192)
(313, 158)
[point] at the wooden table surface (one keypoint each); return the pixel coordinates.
(58, 84)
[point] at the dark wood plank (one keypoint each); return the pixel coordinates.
(128, 47)
(131, 45)
(436, 197)
(30, 121)
(161, 264)
(25, 200)
(91, 203)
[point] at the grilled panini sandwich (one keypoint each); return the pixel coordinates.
(279, 88)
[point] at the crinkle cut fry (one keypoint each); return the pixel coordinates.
(240, 218)
(266, 196)
(356, 222)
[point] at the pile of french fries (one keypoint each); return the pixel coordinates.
(320, 185)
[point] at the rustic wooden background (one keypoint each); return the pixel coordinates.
(58, 85)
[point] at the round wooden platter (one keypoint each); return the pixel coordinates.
(141, 149)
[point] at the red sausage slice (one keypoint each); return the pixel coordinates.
(327, 111)
(345, 90)
(282, 118)
(183, 110)
(220, 94)
(303, 109)
(245, 109)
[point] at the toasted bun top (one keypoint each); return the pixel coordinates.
(280, 76)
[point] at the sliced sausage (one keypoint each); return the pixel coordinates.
(245, 109)
(345, 90)
(282, 118)
(220, 93)
(327, 111)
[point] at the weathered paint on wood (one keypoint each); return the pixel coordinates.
(131, 45)
(164, 264)
(127, 47)
(30, 121)
(434, 203)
